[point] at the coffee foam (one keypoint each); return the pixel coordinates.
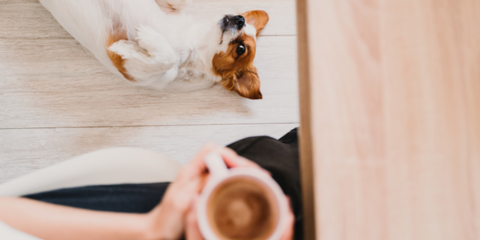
(242, 208)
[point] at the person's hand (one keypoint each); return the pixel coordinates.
(167, 221)
(232, 160)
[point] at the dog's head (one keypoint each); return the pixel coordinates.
(233, 59)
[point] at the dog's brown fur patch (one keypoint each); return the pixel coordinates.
(237, 72)
(118, 34)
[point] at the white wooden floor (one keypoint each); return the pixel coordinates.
(58, 101)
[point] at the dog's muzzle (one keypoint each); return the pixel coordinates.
(232, 22)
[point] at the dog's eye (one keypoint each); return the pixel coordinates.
(240, 49)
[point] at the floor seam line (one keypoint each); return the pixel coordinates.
(146, 126)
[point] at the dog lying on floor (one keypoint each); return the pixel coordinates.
(152, 43)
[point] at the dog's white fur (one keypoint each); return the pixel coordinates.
(166, 49)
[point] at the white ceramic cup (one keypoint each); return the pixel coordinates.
(219, 173)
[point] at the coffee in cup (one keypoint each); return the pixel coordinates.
(242, 208)
(240, 203)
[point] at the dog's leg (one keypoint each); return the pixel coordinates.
(175, 5)
(148, 58)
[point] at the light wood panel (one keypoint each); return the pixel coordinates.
(432, 119)
(56, 83)
(394, 118)
(29, 19)
(24, 150)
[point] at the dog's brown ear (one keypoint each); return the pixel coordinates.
(248, 84)
(257, 18)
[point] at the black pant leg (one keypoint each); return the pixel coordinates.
(129, 198)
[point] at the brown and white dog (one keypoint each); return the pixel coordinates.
(153, 43)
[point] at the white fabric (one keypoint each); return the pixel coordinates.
(107, 166)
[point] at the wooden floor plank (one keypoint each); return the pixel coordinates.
(56, 83)
(24, 150)
(29, 19)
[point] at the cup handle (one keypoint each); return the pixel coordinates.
(215, 164)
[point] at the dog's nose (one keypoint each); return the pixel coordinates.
(239, 21)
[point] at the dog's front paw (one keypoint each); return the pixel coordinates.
(155, 43)
(149, 39)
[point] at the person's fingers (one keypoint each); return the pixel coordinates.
(233, 160)
(203, 181)
(197, 165)
(288, 234)
(180, 194)
(192, 230)
(240, 162)
(243, 162)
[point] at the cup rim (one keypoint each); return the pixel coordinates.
(264, 178)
